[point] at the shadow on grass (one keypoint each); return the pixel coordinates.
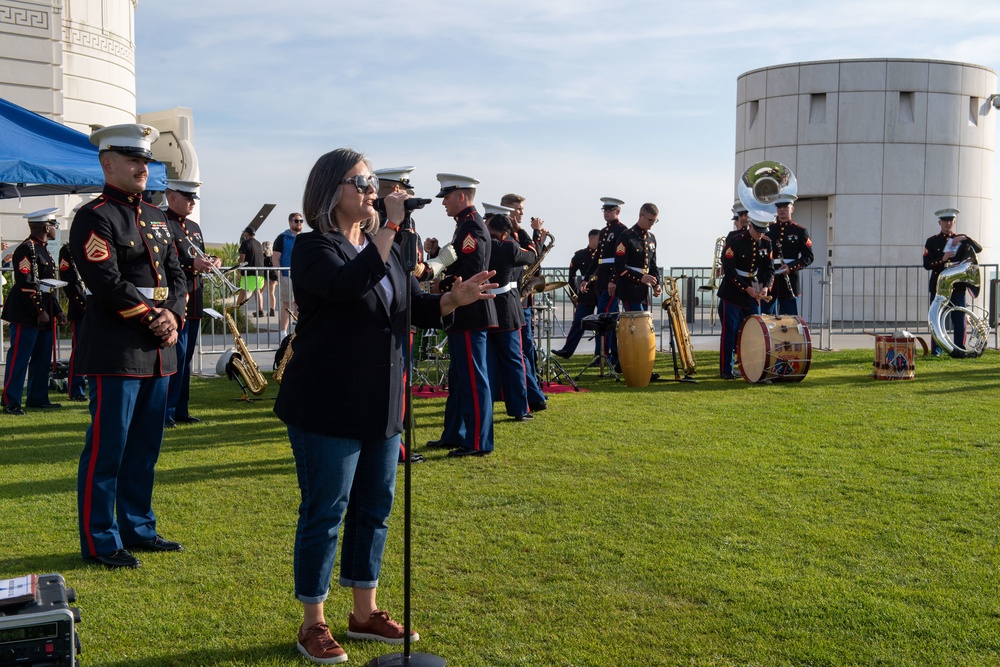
(193, 474)
(52, 562)
(243, 655)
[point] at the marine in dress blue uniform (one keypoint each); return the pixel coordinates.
(31, 309)
(468, 418)
(603, 270)
(126, 255)
(747, 272)
(505, 358)
(792, 249)
(635, 265)
(943, 250)
(181, 198)
(585, 302)
(76, 298)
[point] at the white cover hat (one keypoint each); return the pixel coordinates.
(611, 202)
(451, 182)
(184, 187)
(129, 139)
(494, 209)
(947, 213)
(38, 217)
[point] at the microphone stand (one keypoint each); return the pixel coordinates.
(408, 254)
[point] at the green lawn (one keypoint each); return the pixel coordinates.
(839, 521)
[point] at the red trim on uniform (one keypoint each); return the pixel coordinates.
(95, 445)
(13, 358)
(475, 394)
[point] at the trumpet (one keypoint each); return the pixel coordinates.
(217, 277)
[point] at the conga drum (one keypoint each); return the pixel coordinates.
(774, 348)
(636, 347)
(894, 356)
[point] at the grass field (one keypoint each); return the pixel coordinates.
(839, 521)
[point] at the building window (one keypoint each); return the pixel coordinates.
(817, 109)
(905, 114)
(754, 108)
(974, 104)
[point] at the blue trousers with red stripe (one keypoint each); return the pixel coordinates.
(115, 478)
(76, 384)
(507, 371)
(468, 413)
(179, 390)
(731, 316)
(30, 353)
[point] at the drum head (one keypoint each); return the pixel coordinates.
(752, 348)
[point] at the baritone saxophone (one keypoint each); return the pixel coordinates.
(682, 337)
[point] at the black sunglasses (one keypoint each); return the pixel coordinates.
(362, 183)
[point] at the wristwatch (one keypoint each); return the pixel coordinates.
(392, 225)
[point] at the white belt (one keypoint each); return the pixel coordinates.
(503, 290)
(778, 262)
(154, 293)
(87, 291)
(635, 268)
(742, 273)
(608, 260)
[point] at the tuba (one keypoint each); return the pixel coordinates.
(238, 364)
(762, 187)
(672, 304)
(962, 274)
(530, 280)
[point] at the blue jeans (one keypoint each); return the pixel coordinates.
(329, 469)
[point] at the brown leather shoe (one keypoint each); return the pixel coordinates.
(319, 646)
(379, 627)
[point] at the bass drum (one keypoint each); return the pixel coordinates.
(774, 348)
(636, 347)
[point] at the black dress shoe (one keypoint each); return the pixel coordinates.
(187, 419)
(13, 409)
(170, 423)
(158, 543)
(524, 418)
(563, 354)
(414, 458)
(117, 559)
(442, 444)
(462, 451)
(78, 399)
(654, 376)
(45, 406)
(538, 407)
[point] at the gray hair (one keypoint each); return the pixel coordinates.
(319, 202)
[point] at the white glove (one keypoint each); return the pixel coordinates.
(445, 258)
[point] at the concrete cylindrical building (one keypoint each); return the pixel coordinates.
(877, 146)
(73, 61)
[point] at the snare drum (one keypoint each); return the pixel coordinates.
(636, 347)
(775, 348)
(894, 356)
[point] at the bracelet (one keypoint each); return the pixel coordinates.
(392, 225)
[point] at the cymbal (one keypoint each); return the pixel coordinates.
(554, 285)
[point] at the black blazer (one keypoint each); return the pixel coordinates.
(345, 378)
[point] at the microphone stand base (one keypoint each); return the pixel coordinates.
(412, 660)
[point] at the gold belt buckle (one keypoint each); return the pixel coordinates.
(160, 293)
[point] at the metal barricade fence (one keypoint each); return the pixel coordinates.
(835, 300)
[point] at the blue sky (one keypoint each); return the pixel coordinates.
(561, 101)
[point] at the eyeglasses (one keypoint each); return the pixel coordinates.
(52, 224)
(650, 218)
(362, 183)
(297, 220)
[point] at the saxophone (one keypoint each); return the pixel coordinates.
(530, 279)
(242, 363)
(672, 304)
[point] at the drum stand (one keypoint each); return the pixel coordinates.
(543, 355)
(430, 368)
(602, 361)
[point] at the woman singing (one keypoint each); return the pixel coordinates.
(342, 393)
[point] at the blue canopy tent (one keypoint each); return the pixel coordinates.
(39, 156)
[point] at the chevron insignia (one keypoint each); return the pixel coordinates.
(620, 250)
(729, 253)
(469, 244)
(63, 265)
(24, 266)
(96, 249)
